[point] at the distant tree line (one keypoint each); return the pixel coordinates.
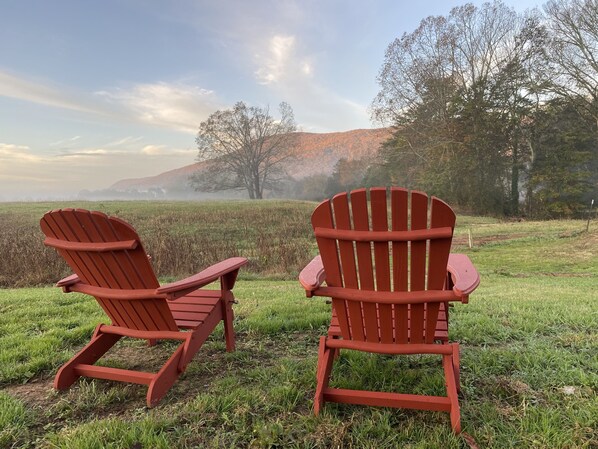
(493, 110)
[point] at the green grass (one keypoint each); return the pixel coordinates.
(529, 361)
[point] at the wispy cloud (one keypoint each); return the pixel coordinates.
(125, 141)
(18, 87)
(176, 106)
(11, 152)
(27, 173)
(173, 105)
(276, 62)
(291, 74)
(164, 150)
(65, 141)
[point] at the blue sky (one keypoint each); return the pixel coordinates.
(92, 92)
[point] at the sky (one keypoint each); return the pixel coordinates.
(92, 92)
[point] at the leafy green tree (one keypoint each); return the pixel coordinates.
(461, 91)
(563, 173)
(346, 175)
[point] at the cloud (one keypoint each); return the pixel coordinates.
(13, 86)
(172, 105)
(129, 140)
(51, 173)
(65, 141)
(164, 150)
(22, 153)
(290, 74)
(276, 63)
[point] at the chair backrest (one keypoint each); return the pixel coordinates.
(371, 244)
(106, 252)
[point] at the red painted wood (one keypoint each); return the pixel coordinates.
(417, 270)
(389, 348)
(399, 218)
(325, 362)
(99, 247)
(379, 214)
(165, 378)
(390, 288)
(441, 215)
(388, 297)
(361, 222)
(380, 399)
(111, 264)
(90, 353)
(322, 217)
(313, 275)
(400, 261)
(383, 236)
(464, 276)
(342, 220)
(107, 373)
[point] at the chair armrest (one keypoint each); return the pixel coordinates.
(203, 278)
(464, 275)
(312, 276)
(69, 280)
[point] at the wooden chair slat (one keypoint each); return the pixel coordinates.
(361, 222)
(382, 261)
(54, 225)
(322, 217)
(441, 216)
(399, 221)
(105, 268)
(109, 261)
(342, 220)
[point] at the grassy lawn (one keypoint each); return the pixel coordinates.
(529, 361)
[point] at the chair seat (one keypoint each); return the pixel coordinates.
(190, 311)
(441, 333)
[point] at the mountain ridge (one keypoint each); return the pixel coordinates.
(316, 153)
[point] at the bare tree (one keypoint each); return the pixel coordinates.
(244, 148)
(460, 89)
(574, 50)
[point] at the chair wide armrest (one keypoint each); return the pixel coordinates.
(69, 280)
(464, 275)
(203, 278)
(312, 276)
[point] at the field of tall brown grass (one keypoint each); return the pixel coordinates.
(181, 237)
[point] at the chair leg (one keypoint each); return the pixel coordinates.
(456, 364)
(448, 363)
(326, 358)
(228, 318)
(165, 378)
(152, 342)
(91, 353)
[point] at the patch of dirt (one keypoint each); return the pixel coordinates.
(36, 393)
(463, 240)
(209, 363)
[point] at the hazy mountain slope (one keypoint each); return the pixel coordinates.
(315, 153)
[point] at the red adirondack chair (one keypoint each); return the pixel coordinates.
(109, 263)
(390, 285)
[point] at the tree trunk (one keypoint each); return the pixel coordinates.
(515, 180)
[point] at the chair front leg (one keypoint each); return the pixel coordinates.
(91, 353)
(325, 362)
(228, 317)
